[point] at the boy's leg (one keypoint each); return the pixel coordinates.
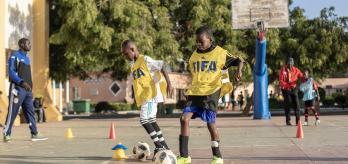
(145, 113)
(317, 121)
(184, 135)
(15, 101)
(159, 134)
(153, 122)
(306, 114)
(315, 112)
(29, 114)
(215, 141)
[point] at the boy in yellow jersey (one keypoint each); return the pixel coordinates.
(208, 66)
(147, 92)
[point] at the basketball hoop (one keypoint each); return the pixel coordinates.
(260, 26)
(260, 14)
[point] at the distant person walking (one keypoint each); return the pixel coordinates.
(288, 77)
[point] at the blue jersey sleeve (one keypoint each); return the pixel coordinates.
(12, 70)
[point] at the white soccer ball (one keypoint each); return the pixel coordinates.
(165, 157)
(141, 151)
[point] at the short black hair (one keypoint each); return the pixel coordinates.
(126, 43)
(204, 30)
(22, 40)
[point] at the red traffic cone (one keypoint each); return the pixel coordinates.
(112, 133)
(299, 130)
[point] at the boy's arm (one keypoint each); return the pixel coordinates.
(159, 65)
(234, 61)
(169, 85)
(240, 70)
(315, 85)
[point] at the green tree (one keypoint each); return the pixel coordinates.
(92, 31)
(318, 44)
(86, 36)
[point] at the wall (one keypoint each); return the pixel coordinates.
(16, 22)
(26, 18)
(98, 89)
(87, 88)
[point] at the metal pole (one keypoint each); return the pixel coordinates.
(60, 97)
(260, 74)
(54, 92)
(67, 92)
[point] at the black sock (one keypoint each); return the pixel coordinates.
(183, 144)
(216, 149)
(151, 131)
(159, 134)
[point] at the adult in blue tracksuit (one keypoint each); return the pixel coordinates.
(21, 91)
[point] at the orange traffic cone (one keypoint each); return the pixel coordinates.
(299, 130)
(112, 133)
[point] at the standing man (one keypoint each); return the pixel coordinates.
(21, 91)
(288, 77)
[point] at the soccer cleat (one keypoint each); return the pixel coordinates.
(288, 124)
(183, 160)
(7, 138)
(38, 137)
(217, 160)
(317, 122)
(305, 123)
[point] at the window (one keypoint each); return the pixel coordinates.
(76, 92)
(328, 87)
(114, 88)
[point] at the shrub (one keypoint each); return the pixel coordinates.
(106, 106)
(123, 107)
(328, 101)
(275, 104)
(322, 93)
(341, 100)
(103, 106)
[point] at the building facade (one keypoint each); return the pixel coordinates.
(99, 88)
(334, 85)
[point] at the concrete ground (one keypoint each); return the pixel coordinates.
(243, 140)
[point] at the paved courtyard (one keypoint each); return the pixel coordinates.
(243, 140)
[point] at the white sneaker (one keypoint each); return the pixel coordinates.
(305, 123)
(317, 122)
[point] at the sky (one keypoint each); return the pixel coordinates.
(313, 7)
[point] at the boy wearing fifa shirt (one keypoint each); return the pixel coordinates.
(147, 92)
(208, 66)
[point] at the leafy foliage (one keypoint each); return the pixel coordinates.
(86, 36)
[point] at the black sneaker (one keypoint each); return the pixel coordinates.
(288, 124)
(38, 137)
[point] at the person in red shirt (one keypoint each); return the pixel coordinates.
(288, 77)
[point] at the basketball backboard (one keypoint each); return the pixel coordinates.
(246, 13)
